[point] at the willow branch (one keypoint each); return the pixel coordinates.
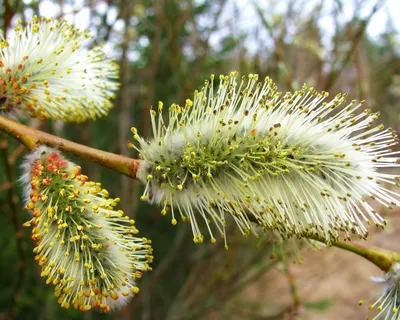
(293, 287)
(383, 259)
(30, 137)
(357, 36)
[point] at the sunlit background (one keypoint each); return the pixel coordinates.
(166, 49)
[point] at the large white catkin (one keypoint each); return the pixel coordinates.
(294, 163)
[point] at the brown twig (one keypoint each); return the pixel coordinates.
(16, 153)
(204, 48)
(125, 104)
(357, 36)
(151, 70)
(292, 283)
(9, 12)
(235, 287)
(382, 258)
(165, 264)
(31, 137)
(358, 64)
(278, 43)
(5, 186)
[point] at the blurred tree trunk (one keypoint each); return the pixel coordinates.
(125, 106)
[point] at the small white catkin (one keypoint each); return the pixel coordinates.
(47, 71)
(388, 303)
(294, 163)
(86, 248)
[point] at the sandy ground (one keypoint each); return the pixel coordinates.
(338, 276)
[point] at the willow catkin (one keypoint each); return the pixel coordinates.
(86, 248)
(294, 163)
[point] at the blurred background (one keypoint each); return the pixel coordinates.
(166, 49)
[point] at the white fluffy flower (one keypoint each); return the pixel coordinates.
(293, 162)
(86, 248)
(46, 71)
(389, 302)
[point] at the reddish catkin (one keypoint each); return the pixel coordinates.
(86, 248)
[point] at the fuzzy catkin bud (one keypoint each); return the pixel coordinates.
(86, 248)
(294, 163)
(46, 71)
